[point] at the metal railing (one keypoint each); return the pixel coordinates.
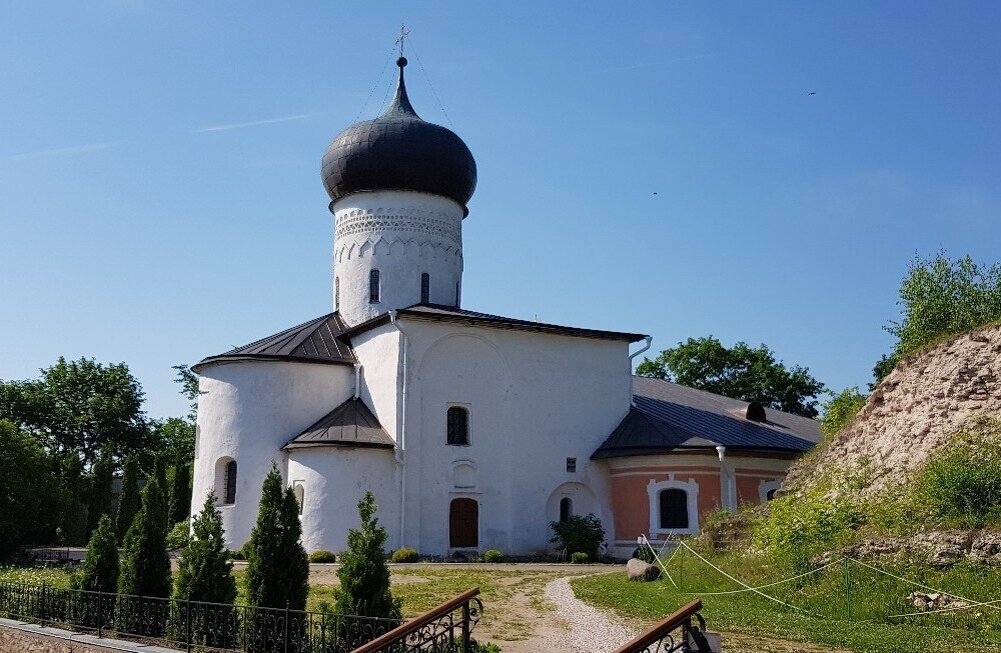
(445, 629)
(676, 633)
(186, 625)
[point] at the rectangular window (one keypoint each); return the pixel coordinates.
(457, 420)
(373, 287)
(571, 465)
(425, 288)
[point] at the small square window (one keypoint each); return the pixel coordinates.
(571, 465)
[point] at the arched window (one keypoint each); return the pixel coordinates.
(299, 490)
(457, 420)
(337, 293)
(229, 495)
(566, 508)
(770, 494)
(673, 508)
(373, 287)
(425, 288)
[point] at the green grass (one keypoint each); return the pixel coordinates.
(54, 576)
(873, 598)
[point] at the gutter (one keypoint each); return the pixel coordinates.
(401, 421)
(649, 341)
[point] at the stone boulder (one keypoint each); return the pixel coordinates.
(637, 569)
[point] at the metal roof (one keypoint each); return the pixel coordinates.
(667, 417)
(316, 341)
(443, 313)
(399, 151)
(350, 424)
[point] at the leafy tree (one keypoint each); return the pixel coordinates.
(579, 534)
(100, 569)
(175, 437)
(189, 387)
(129, 501)
(79, 407)
(101, 490)
(160, 478)
(741, 372)
(180, 492)
(29, 502)
(942, 297)
(145, 564)
(840, 409)
(73, 524)
(277, 569)
(205, 572)
(364, 574)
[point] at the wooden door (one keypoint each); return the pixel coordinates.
(464, 524)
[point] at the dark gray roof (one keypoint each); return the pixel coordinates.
(399, 151)
(439, 312)
(350, 424)
(316, 341)
(667, 417)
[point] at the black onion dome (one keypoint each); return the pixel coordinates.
(399, 151)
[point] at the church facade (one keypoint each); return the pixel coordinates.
(473, 431)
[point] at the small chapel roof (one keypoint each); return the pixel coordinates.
(350, 424)
(316, 341)
(668, 417)
(438, 312)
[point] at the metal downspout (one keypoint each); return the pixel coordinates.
(649, 339)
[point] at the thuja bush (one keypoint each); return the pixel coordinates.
(961, 484)
(579, 534)
(364, 574)
(99, 570)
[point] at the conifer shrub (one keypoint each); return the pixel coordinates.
(179, 536)
(579, 558)
(405, 555)
(322, 557)
(278, 568)
(100, 569)
(493, 555)
(205, 574)
(364, 574)
(579, 533)
(128, 503)
(644, 553)
(145, 569)
(180, 491)
(101, 492)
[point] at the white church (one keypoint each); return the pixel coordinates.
(474, 431)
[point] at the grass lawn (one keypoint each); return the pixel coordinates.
(873, 597)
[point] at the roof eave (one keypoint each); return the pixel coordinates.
(244, 358)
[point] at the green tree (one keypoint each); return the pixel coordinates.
(364, 574)
(101, 495)
(73, 524)
(205, 572)
(145, 564)
(129, 500)
(189, 387)
(79, 407)
(840, 409)
(160, 478)
(579, 534)
(941, 297)
(29, 500)
(180, 492)
(174, 437)
(277, 569)
(740, 372)
(100, 569)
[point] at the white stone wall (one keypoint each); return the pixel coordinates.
(402, 234)
(334, 479)
(247, 411)
(534, 400)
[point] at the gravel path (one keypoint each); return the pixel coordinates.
(588, 630)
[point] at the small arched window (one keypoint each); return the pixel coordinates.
(337, 293)
(229, 496)
(458, 425)
(373, 287)
(425, 288)
(566, 509)
(770, 495)
(673, 509)
(299, 490)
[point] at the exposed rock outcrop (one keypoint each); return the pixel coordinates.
(936, 548)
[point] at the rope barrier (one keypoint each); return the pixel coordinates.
(657, 557)
(761, 587)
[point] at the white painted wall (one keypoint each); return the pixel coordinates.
(247, 411)
(334, 479)
(402, 234)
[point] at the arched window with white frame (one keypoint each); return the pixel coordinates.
(674, 507)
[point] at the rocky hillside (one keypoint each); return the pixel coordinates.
(913, 412)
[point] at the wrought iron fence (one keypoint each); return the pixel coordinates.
(187, 625)
(445, 629)
(677, 632)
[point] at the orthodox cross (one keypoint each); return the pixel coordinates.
(404, 33)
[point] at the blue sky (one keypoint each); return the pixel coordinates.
(656, 167)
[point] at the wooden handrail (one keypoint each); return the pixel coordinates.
(662, 628)
(400, 632)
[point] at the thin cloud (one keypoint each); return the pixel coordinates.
(255, 123)
(660, 63)
(76, 149)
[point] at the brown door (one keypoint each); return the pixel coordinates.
(464, 524)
